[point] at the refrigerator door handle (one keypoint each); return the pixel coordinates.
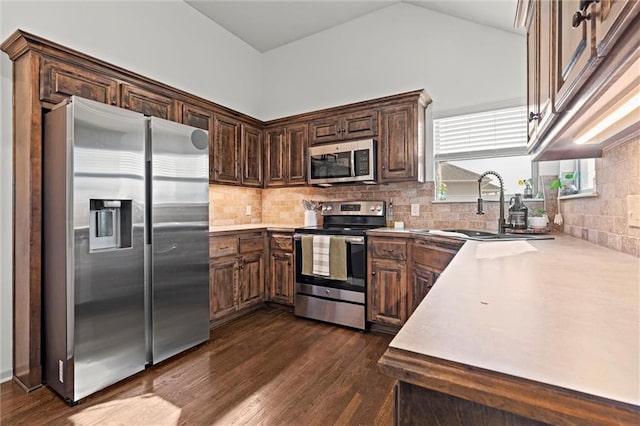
(147, 209)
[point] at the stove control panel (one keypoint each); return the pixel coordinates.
(352, 208)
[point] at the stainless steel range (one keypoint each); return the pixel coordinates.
(331, 262)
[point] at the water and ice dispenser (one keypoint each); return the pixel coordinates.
(110, 224)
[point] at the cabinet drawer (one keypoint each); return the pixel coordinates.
(282, 242)
(435, 259)
(389, 250)
(223, 246)
(248, 244)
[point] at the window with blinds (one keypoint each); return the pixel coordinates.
(467, 145)
(500, 132)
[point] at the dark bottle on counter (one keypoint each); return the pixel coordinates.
(390, 214)
(518, 212)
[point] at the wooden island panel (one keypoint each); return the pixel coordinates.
(525, 327)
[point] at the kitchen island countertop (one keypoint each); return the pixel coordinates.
(562, 315)
(252, 226)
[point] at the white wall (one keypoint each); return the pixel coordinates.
(165, 40)
(396, 49)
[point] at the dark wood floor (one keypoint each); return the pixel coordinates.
(266, 368)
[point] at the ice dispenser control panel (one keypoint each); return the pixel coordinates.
(110, 224)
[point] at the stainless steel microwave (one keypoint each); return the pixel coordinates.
(344, 162)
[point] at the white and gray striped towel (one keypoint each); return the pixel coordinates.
(321, 246)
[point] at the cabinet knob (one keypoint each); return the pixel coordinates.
(373, 272)
(534, 116)
(580, 16)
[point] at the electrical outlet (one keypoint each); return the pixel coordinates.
(248, 211)
(415, 209)
(633, 210)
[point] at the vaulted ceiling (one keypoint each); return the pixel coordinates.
(268, 24)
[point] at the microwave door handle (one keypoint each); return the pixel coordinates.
(353, 163)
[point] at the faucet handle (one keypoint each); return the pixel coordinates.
(480, 210)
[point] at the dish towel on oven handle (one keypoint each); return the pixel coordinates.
(307, 255)
(338, 259)
(321, 248)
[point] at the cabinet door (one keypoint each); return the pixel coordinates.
(197, 117)
(60, 80)
(545, 37)
(252, 156)
(222, 287)
(202, 119)
(533, 75)
(326, 129)
(296, 161)
(387, 292)
(147, 102)
(281, 287)
(612, 19)
(362, 125)
(251, 280)
(422, 280)
(226, 150)
(398, 143)
(575, 52)
(275, 145)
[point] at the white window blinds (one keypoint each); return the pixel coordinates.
(487, 134)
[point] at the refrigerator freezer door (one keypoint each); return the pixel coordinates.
(93, 152)
(179, 284)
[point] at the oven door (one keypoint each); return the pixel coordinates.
(356, 266)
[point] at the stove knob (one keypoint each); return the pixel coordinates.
(372, 208)
(329, 208)
(378, 208)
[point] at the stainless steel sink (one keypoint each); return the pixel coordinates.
(470, 234)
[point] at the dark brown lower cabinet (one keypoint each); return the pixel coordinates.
(387, 295)
(422, 281)
(415, 405)
(402, 271)
(236, 279)
(281, 269)
(222, 276)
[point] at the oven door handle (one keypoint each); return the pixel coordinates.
(349, 239)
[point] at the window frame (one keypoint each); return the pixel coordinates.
(437, 158)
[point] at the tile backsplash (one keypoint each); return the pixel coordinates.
(284, 205)
(228, 205)
(603, 219)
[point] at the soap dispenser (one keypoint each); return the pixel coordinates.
(518, 212)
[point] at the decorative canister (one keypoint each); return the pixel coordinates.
(310, 218)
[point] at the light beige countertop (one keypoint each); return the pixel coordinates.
(561, 312)
(253, 226)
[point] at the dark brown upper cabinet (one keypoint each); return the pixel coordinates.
(252, 158)
(355, 125)
(60, 80)
(580, 56)
(225, 161)
(286, 155)
(541, 108)
(401, 135)
(202, 119)
(148, 102)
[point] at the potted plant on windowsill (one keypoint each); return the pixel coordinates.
(566, 185)
(442, 191)
(528, 187)
(537, 219)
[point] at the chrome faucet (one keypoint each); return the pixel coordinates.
(501, 222)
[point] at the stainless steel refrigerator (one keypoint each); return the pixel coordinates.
(125, 244)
